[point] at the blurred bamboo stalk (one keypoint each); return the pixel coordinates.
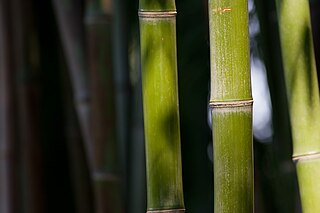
(160, 104)
(27, 60)
(106, 168)
(8, 140)
(303, 96)
(278, 174)
(72, 33)
(231, 103)
(79, 170)
(69, 15)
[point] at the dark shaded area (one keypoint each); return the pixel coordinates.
(57, 179)
(194, 73)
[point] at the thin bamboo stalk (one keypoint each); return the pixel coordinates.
(8, 143)
(105, 173)
(160, 104)
(231, 104)
(303, 96)
(79, 170)
(72, 32)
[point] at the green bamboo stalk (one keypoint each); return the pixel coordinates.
(231, 104)
(105, 174)
(8, 143)
(160, 103)
(303, 96)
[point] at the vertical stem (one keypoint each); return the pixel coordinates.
(70, 22)
(160, 103)
(303, 96)
(280, 187)
(27, 62)
(8, 180)
(231, 103)
(105, 174)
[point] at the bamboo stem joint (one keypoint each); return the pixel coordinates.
(230, 104)
(153, 14)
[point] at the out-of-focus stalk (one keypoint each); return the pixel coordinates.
(8, 143)
(303, 96)
(105, 171)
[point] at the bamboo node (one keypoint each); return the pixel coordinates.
(230, 104)
(105, 177)
(168, 211)
(308, 156)
(157, 14)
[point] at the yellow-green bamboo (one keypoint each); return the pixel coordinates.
(160, 104)
(303, 96)
(231, 104)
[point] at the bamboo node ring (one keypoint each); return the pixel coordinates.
(308, 156)
(168, 211)
(230, 104)
(157, 14)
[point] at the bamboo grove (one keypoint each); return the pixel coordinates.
(130, 106)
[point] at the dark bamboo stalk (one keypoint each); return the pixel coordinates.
(26, 56)
(79, 172)
(8, 143)
(72, 33)
(105, 173)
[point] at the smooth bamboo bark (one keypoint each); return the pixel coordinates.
(231, 103)
(303, 96)
(105, 174)
(160, 104)
(8, 143)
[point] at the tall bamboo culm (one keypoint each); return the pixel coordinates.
(231, 104)
(160, 105)
(303, 97)
(106, 167)
(8, 140)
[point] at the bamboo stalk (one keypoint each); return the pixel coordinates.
(26, 56)
(231, 104)
(280, 184)
(79, 170)
(105, 174)
(160, 103)
(69, 19)
(303, 96)
(8, 143)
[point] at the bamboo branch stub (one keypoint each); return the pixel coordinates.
(230, 104)
(309, 156)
